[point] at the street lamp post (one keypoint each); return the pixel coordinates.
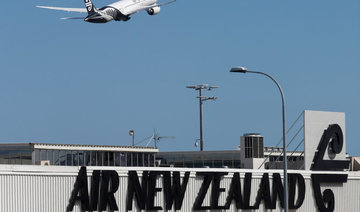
(244, 70)
(132, 133)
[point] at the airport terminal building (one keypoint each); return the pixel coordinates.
(76, 155)
(38, 177)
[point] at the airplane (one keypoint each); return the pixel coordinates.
(118, 11)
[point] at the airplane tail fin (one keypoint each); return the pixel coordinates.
(90, 7)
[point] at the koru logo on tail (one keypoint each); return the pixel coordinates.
(88, 5)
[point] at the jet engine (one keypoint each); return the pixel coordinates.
(153, 10)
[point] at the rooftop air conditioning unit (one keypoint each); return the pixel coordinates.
(254, 145)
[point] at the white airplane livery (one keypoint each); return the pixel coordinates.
(118, 11)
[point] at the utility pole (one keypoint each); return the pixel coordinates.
(201, 100)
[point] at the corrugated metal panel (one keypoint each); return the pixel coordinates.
(44, 189)
(35, 192)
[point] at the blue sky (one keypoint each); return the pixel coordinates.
(76, 82)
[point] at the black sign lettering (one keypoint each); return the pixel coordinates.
(277, 191)
(247, 191)
(296, 179)
(175, 192)
(264, 192)
(104, 185)
(208, 177)
(140, 191)
(152, 190)
(94, 191)
(333, 138)
(216, 190)
(109, 178)
(327, 198)
(234, 193)
(81, 188)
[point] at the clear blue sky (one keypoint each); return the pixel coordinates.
(76, 82)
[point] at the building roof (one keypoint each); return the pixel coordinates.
(274, 151)
(82, 147)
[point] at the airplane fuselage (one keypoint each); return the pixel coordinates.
(119, 11)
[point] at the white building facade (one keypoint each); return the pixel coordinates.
(59, 189)
(97, 180)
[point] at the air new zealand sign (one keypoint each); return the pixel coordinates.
(105, 183)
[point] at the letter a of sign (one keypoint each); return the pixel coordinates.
(81, 188)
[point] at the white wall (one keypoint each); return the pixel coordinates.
(44, 189)
(315, 122)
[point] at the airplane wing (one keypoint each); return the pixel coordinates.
(69, 18)
(80, 10)
(158, 5)
(165, 3)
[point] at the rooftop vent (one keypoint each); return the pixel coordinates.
(254, 145)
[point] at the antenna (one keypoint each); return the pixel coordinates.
(156, 138)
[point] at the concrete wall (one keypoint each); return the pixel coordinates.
(315, 122)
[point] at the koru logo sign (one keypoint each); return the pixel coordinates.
(332, 141)
(88, 5)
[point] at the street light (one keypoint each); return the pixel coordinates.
(201, 100)
(132, 133)
(244, 70)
